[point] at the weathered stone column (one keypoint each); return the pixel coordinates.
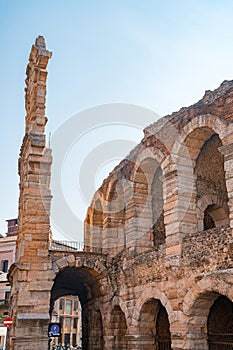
(31, 275)
(179, 188)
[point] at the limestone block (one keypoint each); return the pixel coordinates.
(71, 260)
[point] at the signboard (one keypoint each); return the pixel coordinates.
(54, 329)
(8, 322)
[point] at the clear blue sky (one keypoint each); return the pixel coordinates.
(158, 54)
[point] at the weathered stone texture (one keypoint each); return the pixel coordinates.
(158, 250)
(176, 226)
(31, 275)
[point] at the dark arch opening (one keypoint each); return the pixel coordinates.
(215, 216)
(208, 219)
(154, 326)
(163, 329)
(220, 324)
(82, 282)
(211, 182)
(159, 234)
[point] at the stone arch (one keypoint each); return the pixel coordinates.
(71, 280)
(148, 160)
(151, 151)
(158, 227)
(114, 216)
(190, 141)
(217, 284)
(94, 264)
(87, 231)
(217, 208)
(197, 304)
(107, 310)
(153, 326)
(209, 121)
(118, 328)
(180, 180)
(152, 293)
(84, 283)
(94, 224)
(220, 324)
(211, 183)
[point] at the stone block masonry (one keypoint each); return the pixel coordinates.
(158, 272)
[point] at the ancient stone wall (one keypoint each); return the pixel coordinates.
(151, 275)
(169, 256)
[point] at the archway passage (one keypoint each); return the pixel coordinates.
(82, 282)
(211, 188)
(159, 234)
(154, 326)
(118, 328)
(220, 325)
(163, 329)
(67, 312)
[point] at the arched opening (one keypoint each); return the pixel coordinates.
(215, 216)
(208, 219)
(96, 227)
(220, 324)
(154, 327)
(118, 329)
(83, 283)
(148, 198)
(114, 218)
(211, 322)
(159, 234)
(211, 183)
(163, 330)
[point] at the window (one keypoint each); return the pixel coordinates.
(67, 338)
(68, 306)
(75, 305)
(75, 321)
(74, 339)
(67, 322)
(5, 265)
(61, 303)
(7, 295)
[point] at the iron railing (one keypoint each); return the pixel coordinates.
(66, 246)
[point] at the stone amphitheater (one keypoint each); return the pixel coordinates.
(156, 271)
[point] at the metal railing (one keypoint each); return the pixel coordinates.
(73, 246)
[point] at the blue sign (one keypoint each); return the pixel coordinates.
(54, 329)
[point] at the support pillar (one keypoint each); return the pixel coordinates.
(31, 276)
(179, 188)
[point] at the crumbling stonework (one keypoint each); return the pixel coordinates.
(158, 257)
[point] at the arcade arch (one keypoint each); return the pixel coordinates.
(82, 282)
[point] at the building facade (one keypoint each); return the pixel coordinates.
(7, 257)
(70, 312)
(156, 270)
(67, 311)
